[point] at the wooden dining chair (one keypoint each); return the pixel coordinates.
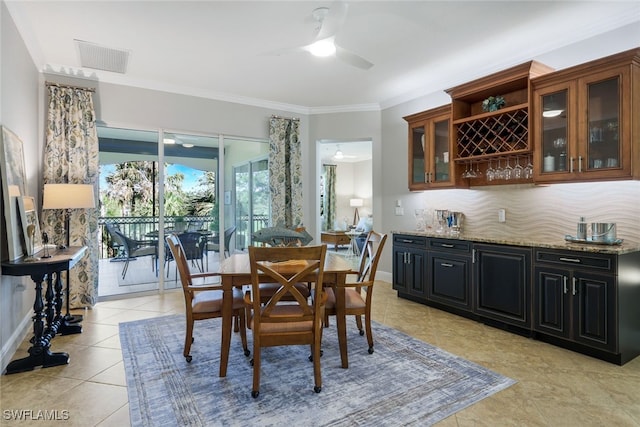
(358, 294)
(204, 301)
(278, 321)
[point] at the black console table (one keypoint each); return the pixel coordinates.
(39, 270)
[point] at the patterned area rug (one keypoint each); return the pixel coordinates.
(404, 382)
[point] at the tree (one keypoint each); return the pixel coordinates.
(131, 186)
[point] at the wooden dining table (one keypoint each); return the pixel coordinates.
(235, 271)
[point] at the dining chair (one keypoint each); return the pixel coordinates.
(358, 294)
(204, 301)
(278, 322)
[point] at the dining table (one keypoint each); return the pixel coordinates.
(235, 271)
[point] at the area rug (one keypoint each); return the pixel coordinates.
(404, 382)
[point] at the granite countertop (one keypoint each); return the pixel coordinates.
(560, 243)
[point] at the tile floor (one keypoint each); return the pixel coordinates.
(556, 387)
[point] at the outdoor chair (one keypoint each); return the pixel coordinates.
(278, 323)
(131, 248)
(194, 245)
(213, 244)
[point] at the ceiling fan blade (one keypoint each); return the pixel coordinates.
(352, 59)
(334, 20)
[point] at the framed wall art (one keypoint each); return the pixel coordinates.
(32, 238)
(13, 186)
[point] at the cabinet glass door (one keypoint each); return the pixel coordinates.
(603, 119)
(441, 151)
(554, 132)
(417, 154)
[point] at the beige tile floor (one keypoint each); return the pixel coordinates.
(556, 387)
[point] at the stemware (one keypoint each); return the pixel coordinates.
(518, 171)
(528, 170)
(499, 173)
(478, 171)
(419, 214)
(471, 173)
(508, 171)
(490, 172)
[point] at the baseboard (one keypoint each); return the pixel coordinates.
(14, 341)
(384, 276)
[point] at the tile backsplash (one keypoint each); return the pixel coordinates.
(543, 212)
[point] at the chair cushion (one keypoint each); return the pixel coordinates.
(284, 310)
(211, 301)
(352, 299)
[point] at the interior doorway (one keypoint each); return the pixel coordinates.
(353, 165)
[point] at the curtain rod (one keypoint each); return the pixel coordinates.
(70, 87)
(287, 118)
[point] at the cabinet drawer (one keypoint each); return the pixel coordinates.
(450, 245)
(411, 241)
(590, 261)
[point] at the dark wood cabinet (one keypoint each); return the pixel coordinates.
(574, 297)
(502, 282)
(410, 266)
(449, 273)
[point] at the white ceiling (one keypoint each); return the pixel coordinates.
(221, 49)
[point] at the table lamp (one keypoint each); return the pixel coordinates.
(67, 197)
(356, 203)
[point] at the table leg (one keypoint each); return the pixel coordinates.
(68, 324)
(227, 314)
(341, 319)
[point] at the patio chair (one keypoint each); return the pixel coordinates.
(131, 248)
(194, 245)
(213, 244)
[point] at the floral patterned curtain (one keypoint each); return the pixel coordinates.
(285, 176)
(71, 156)
(329, 196)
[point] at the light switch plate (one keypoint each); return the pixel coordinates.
(502, 215)
(399, 211)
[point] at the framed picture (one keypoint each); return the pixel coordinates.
(13, 186)
(32, 238)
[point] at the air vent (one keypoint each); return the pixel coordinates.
(102, 58)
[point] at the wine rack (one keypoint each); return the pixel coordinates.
(496, 134)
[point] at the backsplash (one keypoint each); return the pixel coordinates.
(543, 212)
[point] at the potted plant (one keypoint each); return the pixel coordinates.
(493, 103)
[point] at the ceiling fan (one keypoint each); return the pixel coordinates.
(330, 22)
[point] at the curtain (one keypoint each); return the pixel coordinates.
(329, 196)
(285, 176)
(71, 156)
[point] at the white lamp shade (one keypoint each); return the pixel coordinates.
(356, 203)
(68, 196)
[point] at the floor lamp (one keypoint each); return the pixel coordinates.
(356, 203)
(67, 197)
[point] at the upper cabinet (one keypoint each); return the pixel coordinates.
(430, 154)
(584, 121)
(492, 138)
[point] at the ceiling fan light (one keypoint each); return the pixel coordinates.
(323, 48)
(339, 155)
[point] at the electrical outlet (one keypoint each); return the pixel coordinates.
(502, 215)
(399, 211)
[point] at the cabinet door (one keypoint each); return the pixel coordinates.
(416, 273)
(551, 302)
(449, 280)
(399, 269)
(503, 284)
(604, 154)
(594, 310)
(556, 145)
(440, 164)
(418, 173)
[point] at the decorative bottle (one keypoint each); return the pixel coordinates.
(582, 229)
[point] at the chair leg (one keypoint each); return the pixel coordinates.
(359, 324)
(243, 332)
(317, 376)
(126, 266)
(367, 322)
(255, 391)
(188, 339)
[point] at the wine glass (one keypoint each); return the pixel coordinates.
(499, 173)
(508, 171)
(528, 170)
(419, 214)
(478, 171)
(518, 171)
(490, 172)
(470, 173)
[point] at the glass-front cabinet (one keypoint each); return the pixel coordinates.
(430, 159)
(583, 117)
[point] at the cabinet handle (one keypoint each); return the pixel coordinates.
(564, 280)
(571, 164)
(446, 264)
(574, 289)
(576, 260)
(580, 164)
(407, 241)
(447, 245)
(473, 256)
(426, 177)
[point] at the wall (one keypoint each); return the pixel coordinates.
(354, 180)
(19, 112)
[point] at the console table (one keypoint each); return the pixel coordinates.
(336, 238)
(39, 270)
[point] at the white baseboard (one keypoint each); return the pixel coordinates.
(14, 341)
(385, 276)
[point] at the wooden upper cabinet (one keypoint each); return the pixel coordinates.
(430, 150)
(583, 121)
